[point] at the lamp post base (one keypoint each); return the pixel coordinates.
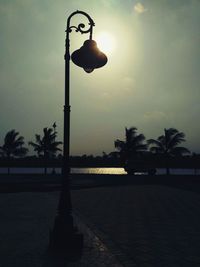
(65, 238)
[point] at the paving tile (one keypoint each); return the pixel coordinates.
(150, 224)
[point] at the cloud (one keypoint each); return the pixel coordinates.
(155, 116)
(139, 8)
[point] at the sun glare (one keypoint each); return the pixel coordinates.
(105, 42)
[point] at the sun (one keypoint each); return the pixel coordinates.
(106, 42)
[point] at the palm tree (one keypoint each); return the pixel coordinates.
(13, 146)
(132, 146)
(46, 146)
(167, 145)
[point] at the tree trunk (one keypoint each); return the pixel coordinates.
(45, 161)
(8, 158)
(167, 165)
(167, 170)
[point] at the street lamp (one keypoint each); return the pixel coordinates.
(64, 235)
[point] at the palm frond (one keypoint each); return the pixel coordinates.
(20, 152)
(133, 145)
(47, 144)
(138, 139)
(119, 144)
(130, 134)
(176, 140)
(140, 147)
(156, 150)
(153, 142)
(156, 145)
(178, 151)
(13, 143)
(167, 143)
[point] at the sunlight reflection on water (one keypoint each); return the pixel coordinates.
(99, 170)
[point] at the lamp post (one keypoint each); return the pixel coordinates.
(64, 235)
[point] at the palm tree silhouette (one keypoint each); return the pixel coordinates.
(167, 145)
(132, 146)
(46, 146)
(13, 146)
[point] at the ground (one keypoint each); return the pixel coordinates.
(139, 225)
(151, 225)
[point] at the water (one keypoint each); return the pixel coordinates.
(99, 170)
(58, 170)
(93, 171)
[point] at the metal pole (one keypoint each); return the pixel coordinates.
(64, 235)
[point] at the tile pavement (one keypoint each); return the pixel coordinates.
(135, 225)
(151, 225)
(24, 234)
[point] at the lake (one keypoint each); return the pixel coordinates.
(94, 171)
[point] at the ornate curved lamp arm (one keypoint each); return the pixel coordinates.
(81, 27)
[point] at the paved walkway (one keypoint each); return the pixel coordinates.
(24, 234)
(145, 225)
(138, 225)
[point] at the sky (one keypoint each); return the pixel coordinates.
(151, 80)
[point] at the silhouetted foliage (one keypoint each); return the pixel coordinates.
(46, 146)
(114, 155)
(132, 146)
(104, 155)
(13, 146)
(167, 145)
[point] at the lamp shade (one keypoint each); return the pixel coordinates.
(89, 57)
